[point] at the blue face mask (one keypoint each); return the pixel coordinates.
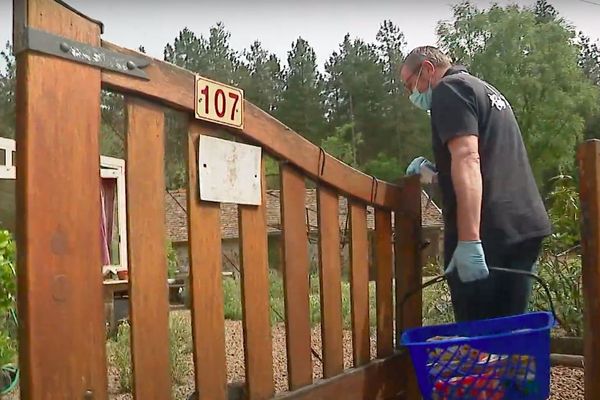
(421, 100)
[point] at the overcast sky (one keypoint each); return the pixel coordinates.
(277, 23)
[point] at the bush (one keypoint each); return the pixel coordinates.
(8, 288)
(172, 262)
(437, 305)
(180, 347)
(560, 263)
(232, 296)
(119, 355)
(562, 275)
(559, 266)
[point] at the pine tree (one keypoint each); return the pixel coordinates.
(301, 106)
(264, 82)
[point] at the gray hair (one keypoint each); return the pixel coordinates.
(427, 53)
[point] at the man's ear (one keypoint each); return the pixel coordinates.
(429, 67)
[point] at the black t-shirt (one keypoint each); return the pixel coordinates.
(512, 209)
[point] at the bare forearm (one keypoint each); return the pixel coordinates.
(466, 178)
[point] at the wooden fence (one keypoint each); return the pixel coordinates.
(62, 332)
(589, 189)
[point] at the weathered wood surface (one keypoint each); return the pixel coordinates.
(295, 277)
(258, 346)
(384, 287)
(206, 281)
(589, 170)
(149, 292)
(407, 230)
(330, 281)
(379, 380)
(62, 351)
(359, 284)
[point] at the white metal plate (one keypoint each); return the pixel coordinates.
(229, 172)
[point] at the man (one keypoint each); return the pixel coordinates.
(493, 213)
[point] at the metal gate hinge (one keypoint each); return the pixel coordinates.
(48, 43)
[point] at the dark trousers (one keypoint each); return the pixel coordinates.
(502, 293)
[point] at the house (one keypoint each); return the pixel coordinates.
(176, 220)
(112, 227)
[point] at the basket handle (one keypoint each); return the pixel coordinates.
(443, 277)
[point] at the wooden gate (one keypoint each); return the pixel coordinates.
(62, 64)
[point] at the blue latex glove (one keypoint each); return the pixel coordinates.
(415, 166)
(469, 260)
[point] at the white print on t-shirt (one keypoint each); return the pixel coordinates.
(497, 101)
(496, 98)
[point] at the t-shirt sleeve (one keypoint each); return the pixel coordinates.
(454, 110)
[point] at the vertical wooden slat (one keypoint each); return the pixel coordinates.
(148, 288)
(61, 329)
(255, 298)
(407, 230)
(384, 271)
(208, 322)
(330, 281)
(589, 170)
(359, 283)
(295, 277)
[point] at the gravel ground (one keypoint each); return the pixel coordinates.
(567, 383)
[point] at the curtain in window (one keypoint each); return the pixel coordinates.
(107, 193)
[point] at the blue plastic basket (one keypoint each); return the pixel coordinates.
(493, 359)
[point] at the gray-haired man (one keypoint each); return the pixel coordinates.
(493, 212)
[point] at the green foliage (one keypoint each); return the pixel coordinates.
(562, 274)
(264, 83)
(589, 58)
(232, 299)
(276, 297)
(180, 347)
(437, 305)
(119, 355)
(343, 144)
(8, 289)
(211, 57)
(559, 265)
(564, 212)
(301, 107)
(172, 262)
(385, 167)
(356, 90)
(8, 284)
(112, 126)
(7, 93)
(537, 70)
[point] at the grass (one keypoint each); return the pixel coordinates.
(233, 301)
(180, 345)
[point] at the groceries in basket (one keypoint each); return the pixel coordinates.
(462, 371)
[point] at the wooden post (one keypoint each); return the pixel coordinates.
(295, 277)
(589, 170)
(359, 283)
(148, 288)
(258, 345)
(330, 281)
(407, 231)
(62, 351)
(206, 282)
(384, 265)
